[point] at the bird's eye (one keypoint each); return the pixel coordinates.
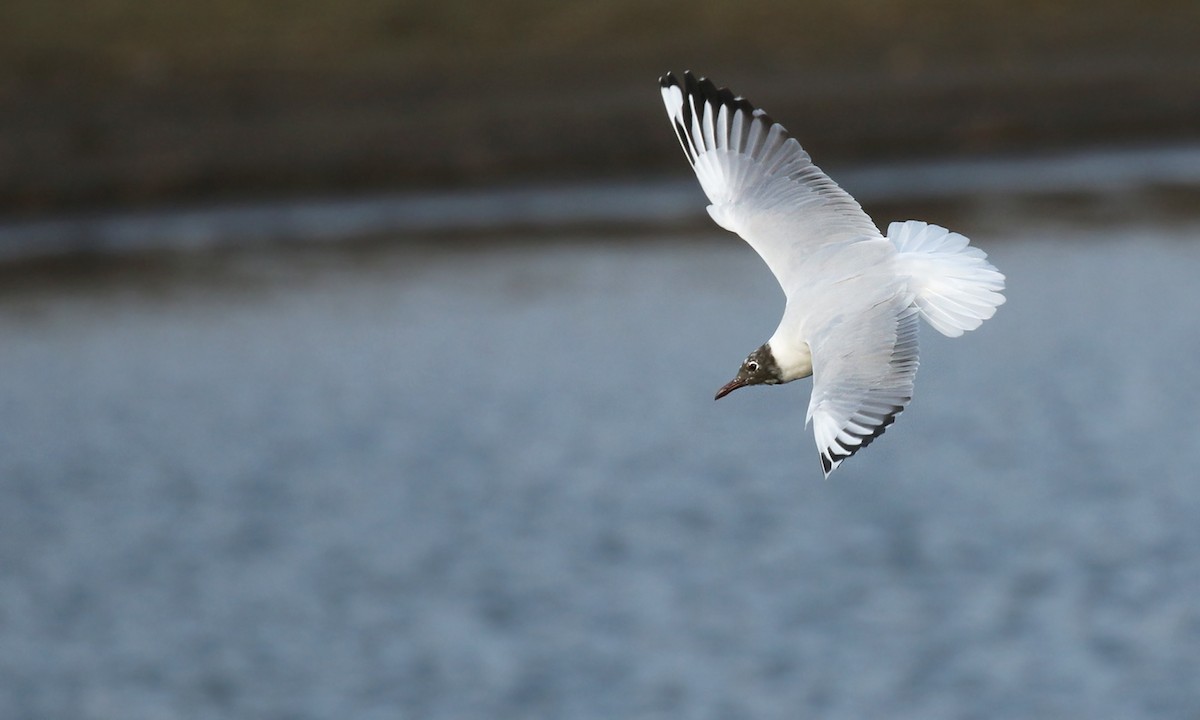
(752, 366)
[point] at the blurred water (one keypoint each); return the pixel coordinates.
(491, 482)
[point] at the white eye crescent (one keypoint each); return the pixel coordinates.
(752, 366)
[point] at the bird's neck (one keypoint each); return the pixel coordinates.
(792, 357)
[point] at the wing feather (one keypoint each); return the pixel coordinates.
(862, 378)
(761, 183)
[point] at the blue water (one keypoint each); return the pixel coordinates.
(491, 482)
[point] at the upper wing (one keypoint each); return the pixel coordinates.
(863, 376)
(762, 184)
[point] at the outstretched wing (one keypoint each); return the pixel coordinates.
(762, 184)
(863, 376)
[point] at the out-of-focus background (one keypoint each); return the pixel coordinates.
(357, 361)
(110, 102)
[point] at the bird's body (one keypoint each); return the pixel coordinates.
(853, 295)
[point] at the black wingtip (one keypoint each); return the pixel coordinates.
(831, 455)
(668, 79)
(703, 88)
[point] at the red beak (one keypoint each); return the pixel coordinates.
(729, 387)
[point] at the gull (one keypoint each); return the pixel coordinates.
(853, 295)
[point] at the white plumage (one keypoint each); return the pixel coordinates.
(853, 296)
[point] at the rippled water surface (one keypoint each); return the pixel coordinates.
(491, 482)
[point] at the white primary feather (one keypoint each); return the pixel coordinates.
(868, 373)
(769, 191)
(853, 297)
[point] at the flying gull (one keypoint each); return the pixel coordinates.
(853, 295)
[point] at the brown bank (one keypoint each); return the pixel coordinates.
(110, 103)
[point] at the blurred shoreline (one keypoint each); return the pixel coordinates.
(1096, 183)
(138, 106)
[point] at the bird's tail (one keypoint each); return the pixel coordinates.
(955, 287)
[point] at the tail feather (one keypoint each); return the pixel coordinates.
(954, 286)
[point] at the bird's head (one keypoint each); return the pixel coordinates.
(759, 368)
